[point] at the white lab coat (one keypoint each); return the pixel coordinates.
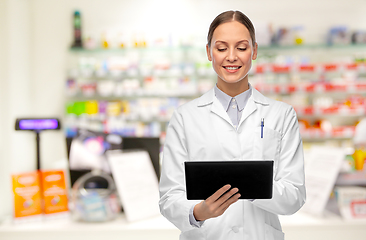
(202, 130)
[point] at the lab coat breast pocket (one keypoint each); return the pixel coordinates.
(266, 144)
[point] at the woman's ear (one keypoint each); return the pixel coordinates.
(208, 51)
(255, 50)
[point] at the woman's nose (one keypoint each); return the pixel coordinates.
(231, 56)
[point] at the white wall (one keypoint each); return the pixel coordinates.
(17, 153)
(194, 16)
(50, 41)
(35, 36)
(3, 170)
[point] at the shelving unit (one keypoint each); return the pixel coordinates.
(143, 86)
(139, 87)
(320, 88)
(324, 84)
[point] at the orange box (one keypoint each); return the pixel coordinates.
(27, 194)
(54, 191)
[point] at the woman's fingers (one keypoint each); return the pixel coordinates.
(226, 196)
(227, 203)
(217, 203)
(217, 194)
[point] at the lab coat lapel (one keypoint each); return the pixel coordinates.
(250, 108)
(219, 110)
(209, 99)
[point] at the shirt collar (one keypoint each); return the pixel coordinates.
(208, 98)
(223, 98)
(241, 99)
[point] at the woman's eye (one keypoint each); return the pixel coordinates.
(221, 49)
(242, 49)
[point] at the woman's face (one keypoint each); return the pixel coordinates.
(231, 52)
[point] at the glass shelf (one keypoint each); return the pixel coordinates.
(314, 46)
(203, 48)
(97, 97)
(130, 49)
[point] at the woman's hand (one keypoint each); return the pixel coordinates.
(215, 205)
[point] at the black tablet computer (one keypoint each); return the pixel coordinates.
(254, 179)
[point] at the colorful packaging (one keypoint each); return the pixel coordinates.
(358, 209)
(360, 157)
(27, 194)
(79, 108)
(54, 191)
(351, 202)
(114, 108)
(91, 107)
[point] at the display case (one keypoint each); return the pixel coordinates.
(134, 91)
(325, 84)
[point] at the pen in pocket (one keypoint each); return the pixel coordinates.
(262, 125)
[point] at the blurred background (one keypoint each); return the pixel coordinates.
(120, 68)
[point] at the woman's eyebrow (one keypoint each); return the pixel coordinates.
(241, 41)
(220, 41)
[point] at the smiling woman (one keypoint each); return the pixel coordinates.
(232, 51)
(229, 123)
(231, 47)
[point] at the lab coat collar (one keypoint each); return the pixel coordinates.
(258, 97)
(209, 97)
(206, 98)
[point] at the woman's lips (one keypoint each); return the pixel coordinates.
(232, 69)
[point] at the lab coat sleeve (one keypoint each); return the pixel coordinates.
(173, 201)
(289, 181)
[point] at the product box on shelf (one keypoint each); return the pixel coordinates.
(39, 192)
(27, 194)
(351, 202)
(54, 191)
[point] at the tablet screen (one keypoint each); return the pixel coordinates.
(253, 178)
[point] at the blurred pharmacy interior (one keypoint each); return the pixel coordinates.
(85, 77)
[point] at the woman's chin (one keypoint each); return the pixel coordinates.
(231, 80)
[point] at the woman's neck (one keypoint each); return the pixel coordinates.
(233, 89)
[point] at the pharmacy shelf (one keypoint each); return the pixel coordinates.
(134, 95)
(169, 77)
(312, 47)
(336, 110)
(357, 178)
(284, 88)
(309, 68)
(337, 133)
(317, 87)
(115, 50)
(299, 226)
(308, 88)
(199, 48)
